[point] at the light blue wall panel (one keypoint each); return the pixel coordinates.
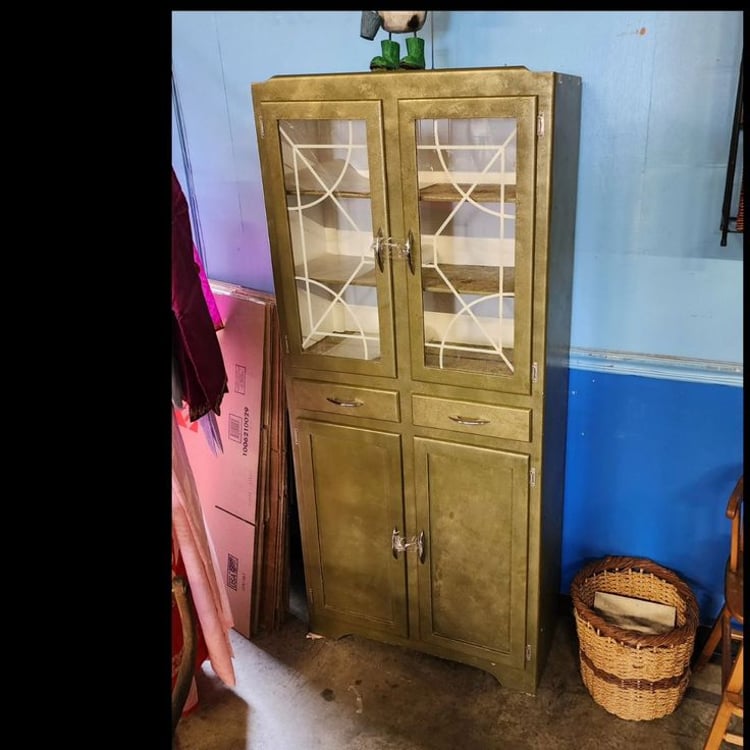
(657, 106)
(216, 58)
(658, 96)
(199, 73)
(635, 296)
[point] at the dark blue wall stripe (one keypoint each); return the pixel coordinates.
(650, 465)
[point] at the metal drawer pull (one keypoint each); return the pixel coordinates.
(354, 403)
(401, 544)
(469, 420)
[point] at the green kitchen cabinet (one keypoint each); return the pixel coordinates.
(421, 226)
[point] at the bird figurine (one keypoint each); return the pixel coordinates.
(395, 22)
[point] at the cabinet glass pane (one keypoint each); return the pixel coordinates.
(467, 191)
(327, 184)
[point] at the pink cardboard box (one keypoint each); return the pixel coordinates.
(234, 542)
(229, 480)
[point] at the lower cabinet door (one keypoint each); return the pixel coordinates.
(472, 504)
(351, 499)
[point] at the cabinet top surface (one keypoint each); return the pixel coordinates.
(413, 82)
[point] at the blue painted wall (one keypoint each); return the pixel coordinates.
(650, 465)
(652, 454)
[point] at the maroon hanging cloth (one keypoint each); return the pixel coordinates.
(197, 354)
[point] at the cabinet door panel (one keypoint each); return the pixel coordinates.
(472, 504)
(325, 198)
(468, 176)
(350, 494)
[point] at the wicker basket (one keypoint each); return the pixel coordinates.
(634, 675)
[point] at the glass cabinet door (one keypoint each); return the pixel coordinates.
(468, 174)
(328, 205)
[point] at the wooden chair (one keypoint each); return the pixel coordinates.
(726, 629)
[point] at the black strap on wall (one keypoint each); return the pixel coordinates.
(737, 127)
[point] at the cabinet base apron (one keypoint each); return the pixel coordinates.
(521, 680)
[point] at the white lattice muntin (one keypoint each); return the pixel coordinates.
(327, 183)
(468, 156)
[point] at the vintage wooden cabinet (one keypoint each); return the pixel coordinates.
(421, 227)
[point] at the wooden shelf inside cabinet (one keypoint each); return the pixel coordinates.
(335, 270)
(480, 194)
(456, 358)
(318, 181)
(442, 193)
(468, 279)
(317, 192)
(334, 344)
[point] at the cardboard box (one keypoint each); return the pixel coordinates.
(234, 542)
(242, 490)
(229, 480)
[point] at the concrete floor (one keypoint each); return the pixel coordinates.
(298, 693)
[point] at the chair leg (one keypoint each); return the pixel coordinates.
(731, 705)
(712, 642)
(726, 648)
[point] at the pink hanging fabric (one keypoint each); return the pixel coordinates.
(208, 420)
(197, 354)
(200, 372)
(199, 558)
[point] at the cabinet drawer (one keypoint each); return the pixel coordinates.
(506, 422)
(346, 399)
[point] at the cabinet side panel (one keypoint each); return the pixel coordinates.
(564, 184)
